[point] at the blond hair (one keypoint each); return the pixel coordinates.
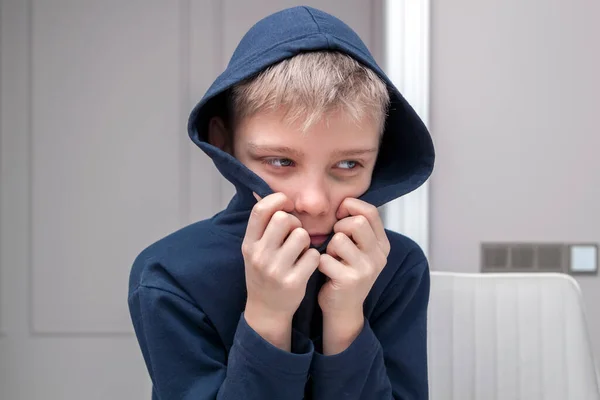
(311, 86)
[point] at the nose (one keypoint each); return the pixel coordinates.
(312, 198)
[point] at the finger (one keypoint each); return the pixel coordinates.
(331, 267)
(341, 246)
(278, 228)
(306, 265)
(263, 211)
(294, 245)
(352, 206)
(257, 197)
(359, 230)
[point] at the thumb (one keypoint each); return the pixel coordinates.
(331, 267)
(306, 264)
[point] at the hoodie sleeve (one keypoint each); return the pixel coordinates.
(186, 358)
(388, 360)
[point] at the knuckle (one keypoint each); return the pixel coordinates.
(280, 196)
(315, 256)
(258, 259)
(254, 260)
(271, 276)
(386, 248)
(246, 249)
(371, 270)
(258, 209)
(368, 265)
(279, 217)
(354, 279)
(301, 234)
(311, 255)
(324, 258)
(361, 221)
(372, 211)
(288, 283)
(294, 221)
(338, 238)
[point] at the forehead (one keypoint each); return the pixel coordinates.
(330, 132)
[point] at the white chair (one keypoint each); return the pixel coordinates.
(509, 336)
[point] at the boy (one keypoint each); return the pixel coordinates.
(295, 290)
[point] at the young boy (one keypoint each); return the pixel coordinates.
(295, 290)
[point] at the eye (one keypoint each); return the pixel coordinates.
(348, 164)
(279, 162)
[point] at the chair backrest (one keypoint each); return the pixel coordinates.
(509, 336)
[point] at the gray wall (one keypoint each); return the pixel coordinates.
(515, 98)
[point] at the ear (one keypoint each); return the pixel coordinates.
(218, 135)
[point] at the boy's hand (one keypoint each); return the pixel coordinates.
(276, 270)
(355, 257)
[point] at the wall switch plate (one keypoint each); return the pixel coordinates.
(568, 258)
(583, 259)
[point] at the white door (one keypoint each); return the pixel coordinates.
(95, 164)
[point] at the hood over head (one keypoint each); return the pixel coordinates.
(406, 156)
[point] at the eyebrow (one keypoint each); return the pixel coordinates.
(255, 147)
(355, 152)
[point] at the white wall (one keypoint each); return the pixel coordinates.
(515, 99)
(95, 164)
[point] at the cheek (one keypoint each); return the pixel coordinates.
(359, 187)
(352, 190)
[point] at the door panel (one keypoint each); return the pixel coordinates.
(95, 164)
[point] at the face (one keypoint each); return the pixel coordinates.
(316, 169)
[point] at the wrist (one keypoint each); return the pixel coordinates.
(340, 330)
(275, 328)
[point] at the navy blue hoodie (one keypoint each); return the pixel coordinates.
(187, 291)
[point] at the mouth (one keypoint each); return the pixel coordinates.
(318, 239)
